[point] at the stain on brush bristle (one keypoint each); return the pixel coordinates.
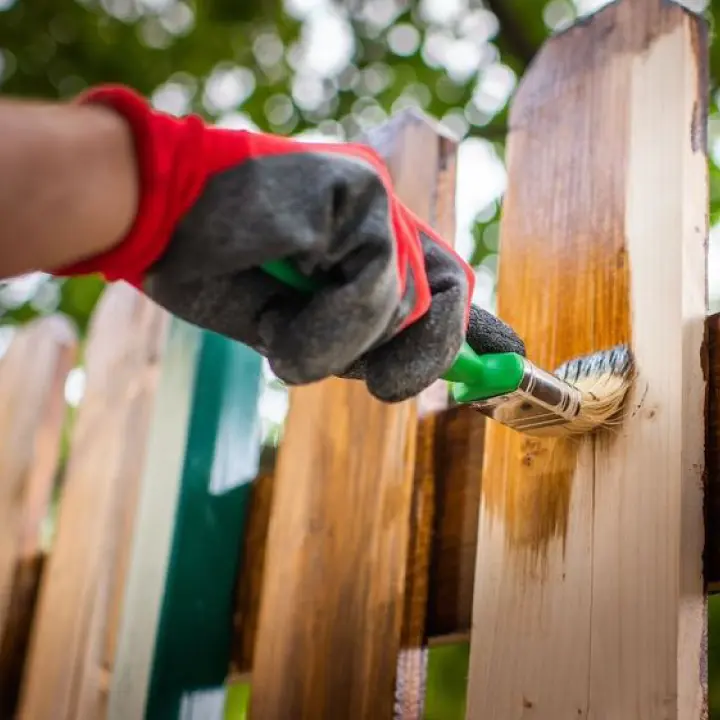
(616, 361)
(604, 379)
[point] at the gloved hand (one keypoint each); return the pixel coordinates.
(216, 204)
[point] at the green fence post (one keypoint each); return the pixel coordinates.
(204, 448)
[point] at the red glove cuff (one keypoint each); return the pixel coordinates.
(170, 176)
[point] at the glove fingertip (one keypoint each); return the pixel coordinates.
(413, 360)
(487, 334)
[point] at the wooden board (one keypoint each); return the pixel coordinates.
(439, 208)
(335, 560)
(192, 649)
(203, 451)
(339, 536)
(411, 674)
(450, 444)
(250, 579)
(69, 663)
(32, 410)
(588, 589)
(459, 446)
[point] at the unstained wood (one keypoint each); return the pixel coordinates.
(72, 647)
(33, 373)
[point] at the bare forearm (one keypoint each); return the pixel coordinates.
(68, 184)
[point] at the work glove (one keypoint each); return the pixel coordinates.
(216, 204)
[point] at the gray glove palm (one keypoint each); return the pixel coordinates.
(330, 215)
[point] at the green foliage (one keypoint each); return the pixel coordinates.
(447, 682)
(237, 701)
(74, 297)
(444, 698)
(251, 62)
(256, 62)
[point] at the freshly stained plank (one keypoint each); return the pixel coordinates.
(335, 561)
(32, 409)
(410, 682)
(339, 534)
(588, 588)
(457, 461)
(450, 446)
(68, 664)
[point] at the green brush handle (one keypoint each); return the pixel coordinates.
(472, 376)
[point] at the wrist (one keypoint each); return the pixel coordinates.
(69, 190)
(168, 175)
(107, 158)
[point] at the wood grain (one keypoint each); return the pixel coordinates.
(588, 588)
(335, 560)
(457, 461)
(438, 206)
(71, 651)
(32, 411)
(459, 444)
(450, 444)
(339, 543)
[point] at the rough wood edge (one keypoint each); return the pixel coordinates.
(32, 381)
(712, 458)
(67, 660)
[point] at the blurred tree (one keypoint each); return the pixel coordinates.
(287, 66)
(290, 66)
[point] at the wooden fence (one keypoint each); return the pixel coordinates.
(185, 554)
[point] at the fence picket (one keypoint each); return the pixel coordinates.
(68, 664)
(32, 409)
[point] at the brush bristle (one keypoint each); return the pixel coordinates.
(604, 379)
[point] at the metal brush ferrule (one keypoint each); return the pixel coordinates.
(541, 400)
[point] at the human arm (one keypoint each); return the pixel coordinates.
(214, 205)
(68, 183)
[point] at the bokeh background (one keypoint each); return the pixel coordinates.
(321, 69)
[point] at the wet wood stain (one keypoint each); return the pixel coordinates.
(349, 533)
(564, 274)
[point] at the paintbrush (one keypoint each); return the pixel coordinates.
(580, 396)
